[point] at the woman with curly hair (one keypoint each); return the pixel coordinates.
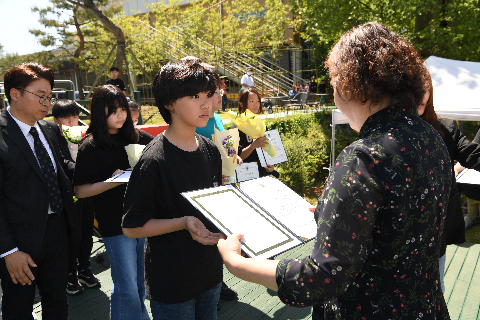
(381, 216)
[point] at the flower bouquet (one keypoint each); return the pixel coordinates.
(73, 135)
(134, 151)
(227, 144)
(253, 126)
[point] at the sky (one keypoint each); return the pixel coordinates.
(15, 21)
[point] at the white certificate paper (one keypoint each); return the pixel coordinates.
(232, 212)
(284, 204)
(247, 171)
(281, 155)
(469, 176)
(121, 177)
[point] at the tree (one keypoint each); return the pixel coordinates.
(92, 7)
(445, 28)
(63, 16)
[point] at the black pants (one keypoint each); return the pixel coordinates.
(85, 215)
(50, 278)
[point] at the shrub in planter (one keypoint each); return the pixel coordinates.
(307, 155)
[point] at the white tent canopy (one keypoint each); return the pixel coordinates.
(456, 89)
(456, 92)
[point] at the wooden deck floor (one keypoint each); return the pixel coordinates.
(462, 282)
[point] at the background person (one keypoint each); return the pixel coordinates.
(247, 80)
(34, 226)
(66, 112)
(322, 88)
(312, 87)
(224, 87)
(461, 150)
(472, 193)
(134, 111)
(115, 81)
(292, 92)
(377, 235)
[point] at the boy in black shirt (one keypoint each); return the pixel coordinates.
(66, 113)
(183, 268)
(115, 80)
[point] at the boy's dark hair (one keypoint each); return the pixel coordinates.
(114, 69)
(243, 100)
(25, 73)
(112, 98)
(133, 105)
(178, 79)
(65, 109)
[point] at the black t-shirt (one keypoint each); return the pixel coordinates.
(312, 86)
(177, 268)
(96, 164)
(118, 83)
(245, 141)
(322, 88)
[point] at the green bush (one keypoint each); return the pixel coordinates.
(307, 156)
(307, 142)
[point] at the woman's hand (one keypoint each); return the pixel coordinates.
(199, 232)
(260, 142)
(239, 160)
(269, 168)
(230, 248)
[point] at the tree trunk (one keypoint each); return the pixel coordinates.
(112, 27)
(77, 55)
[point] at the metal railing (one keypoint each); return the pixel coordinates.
(267, 74)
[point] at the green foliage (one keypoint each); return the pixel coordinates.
(9, 61)
(446, 29)
(298, 124)
(307, 142)
(307, 155)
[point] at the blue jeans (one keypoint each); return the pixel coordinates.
(128, 289)
(203, 307)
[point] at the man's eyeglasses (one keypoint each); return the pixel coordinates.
(43, 99)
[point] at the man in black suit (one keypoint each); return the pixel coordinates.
(36, 199)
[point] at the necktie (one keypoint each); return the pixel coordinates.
(48, 171)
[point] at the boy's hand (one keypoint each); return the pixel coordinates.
(200, 233)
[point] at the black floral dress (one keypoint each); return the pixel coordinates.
(379, 223)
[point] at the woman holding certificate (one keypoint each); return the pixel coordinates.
(381, 216)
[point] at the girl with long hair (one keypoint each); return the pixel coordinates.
(100, 156)
(250, 99)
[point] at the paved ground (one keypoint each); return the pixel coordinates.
(462, 282)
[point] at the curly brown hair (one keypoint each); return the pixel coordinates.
(243, 100)
(372, 63)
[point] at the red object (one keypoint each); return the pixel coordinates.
(153, 129)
